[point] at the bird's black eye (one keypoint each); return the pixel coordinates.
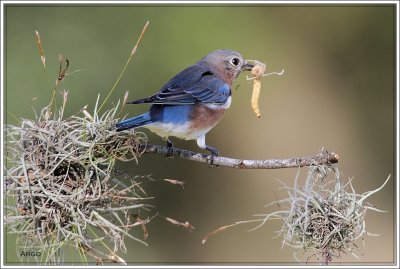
(235, 61)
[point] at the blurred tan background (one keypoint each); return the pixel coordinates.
(337, 92)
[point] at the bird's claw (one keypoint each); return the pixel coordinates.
(211, 161)
(214, 153)
(170, 150)
(169, 154)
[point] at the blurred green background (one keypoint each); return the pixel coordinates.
(337, 92)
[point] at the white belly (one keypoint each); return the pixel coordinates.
(205, 118)
(183, 131)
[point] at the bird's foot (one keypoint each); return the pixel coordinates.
(214, 153)
(169, 150)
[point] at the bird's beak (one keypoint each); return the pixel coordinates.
(247, 66)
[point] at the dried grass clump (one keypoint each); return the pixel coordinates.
(62, 188)
(323, 219)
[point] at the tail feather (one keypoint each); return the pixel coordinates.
(134, 122)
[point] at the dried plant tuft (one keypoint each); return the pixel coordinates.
(324, 219)
(62, 188)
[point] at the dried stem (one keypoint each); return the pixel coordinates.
(133, 52)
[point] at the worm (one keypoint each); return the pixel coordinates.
(257, 72)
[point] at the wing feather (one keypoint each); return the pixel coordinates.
(186, 88)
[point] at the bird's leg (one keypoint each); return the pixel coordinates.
(169, 149)
(214, 153)
(201, 142)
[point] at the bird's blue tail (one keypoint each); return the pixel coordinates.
(134, 122)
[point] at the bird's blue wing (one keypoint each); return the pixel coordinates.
(210, 90)
(193, 85)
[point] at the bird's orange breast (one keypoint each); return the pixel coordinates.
(203, 117)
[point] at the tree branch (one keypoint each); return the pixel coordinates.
(323, 157)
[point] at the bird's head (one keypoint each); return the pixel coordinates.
(227, 64)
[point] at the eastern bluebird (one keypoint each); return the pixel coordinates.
(193, 101)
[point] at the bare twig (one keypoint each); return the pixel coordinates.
(323, 157)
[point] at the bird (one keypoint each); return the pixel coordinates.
(191, 103)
